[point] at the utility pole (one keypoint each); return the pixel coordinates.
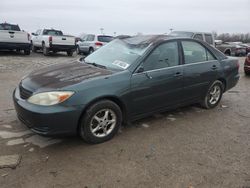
(102, 29)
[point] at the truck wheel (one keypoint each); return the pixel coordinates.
(213, 95)
(70, 53)
(27, 52)
(78, 51)
(45, 50)
(33, 48)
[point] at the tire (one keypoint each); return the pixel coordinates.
(78, 51)
(45, 50)
(27, 52)
(212, 100)
(101, 116)
(91, 50)
(70, 53)
(33, 48)
(247, 73)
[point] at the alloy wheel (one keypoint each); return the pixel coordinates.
(103, 123)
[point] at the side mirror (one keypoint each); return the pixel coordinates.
(140, 69)
(34, 34)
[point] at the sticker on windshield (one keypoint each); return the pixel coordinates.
(121, 64)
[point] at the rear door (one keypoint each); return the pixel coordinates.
(86, 44)
(160, 84)
(200, 69)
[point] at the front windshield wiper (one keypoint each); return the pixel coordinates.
(96, 65)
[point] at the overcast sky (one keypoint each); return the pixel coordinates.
(128, 16)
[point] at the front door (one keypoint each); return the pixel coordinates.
(159, 82)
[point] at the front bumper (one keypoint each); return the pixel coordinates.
(47, 120)
(14, 46)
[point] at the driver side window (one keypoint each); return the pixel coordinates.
(165, 55)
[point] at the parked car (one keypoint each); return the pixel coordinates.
(12, 38)
(90, 42)
(125, 80)
(231, 49)
(247, 46)
(247, 65)
(51, 40)
(207, 37)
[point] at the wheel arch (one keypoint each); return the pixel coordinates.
(114, 99)
(224, 82)
(227, 51)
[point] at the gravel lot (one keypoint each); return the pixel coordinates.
(187, 147)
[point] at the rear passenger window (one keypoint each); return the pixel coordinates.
(198, 36)
(209, 39)
(194, 52)
(90, 38)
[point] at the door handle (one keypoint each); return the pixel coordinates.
(214, 67)
(148, 76)
(177, 74)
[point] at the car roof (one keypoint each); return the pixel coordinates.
(149, 39)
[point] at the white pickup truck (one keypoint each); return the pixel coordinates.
(51, 40)
(12, 38)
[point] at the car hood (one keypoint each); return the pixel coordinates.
(62, 75)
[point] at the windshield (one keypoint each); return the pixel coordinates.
(117, 54)
(181, 34)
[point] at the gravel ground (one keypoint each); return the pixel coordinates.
(187, 147)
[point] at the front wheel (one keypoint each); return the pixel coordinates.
(213, 95)
(100, 122)
(45, 50)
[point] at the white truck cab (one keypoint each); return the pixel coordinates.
(204, 36)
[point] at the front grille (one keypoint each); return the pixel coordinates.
(24, 93)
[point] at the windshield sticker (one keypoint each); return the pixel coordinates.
(121, 64)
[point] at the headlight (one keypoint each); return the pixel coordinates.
(50, 98)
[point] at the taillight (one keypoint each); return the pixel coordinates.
(28, 36)
(99, 44)
(50, 39)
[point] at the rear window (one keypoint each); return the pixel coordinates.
(181, 34)
(52, 32)
(198, 36)
(105, 38)
(209, 39)
(5, 26)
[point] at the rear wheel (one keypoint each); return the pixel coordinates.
(100, 122)
(27, 52)
(70, 53)
(45, 50)
(213, 95)
(91, 50)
